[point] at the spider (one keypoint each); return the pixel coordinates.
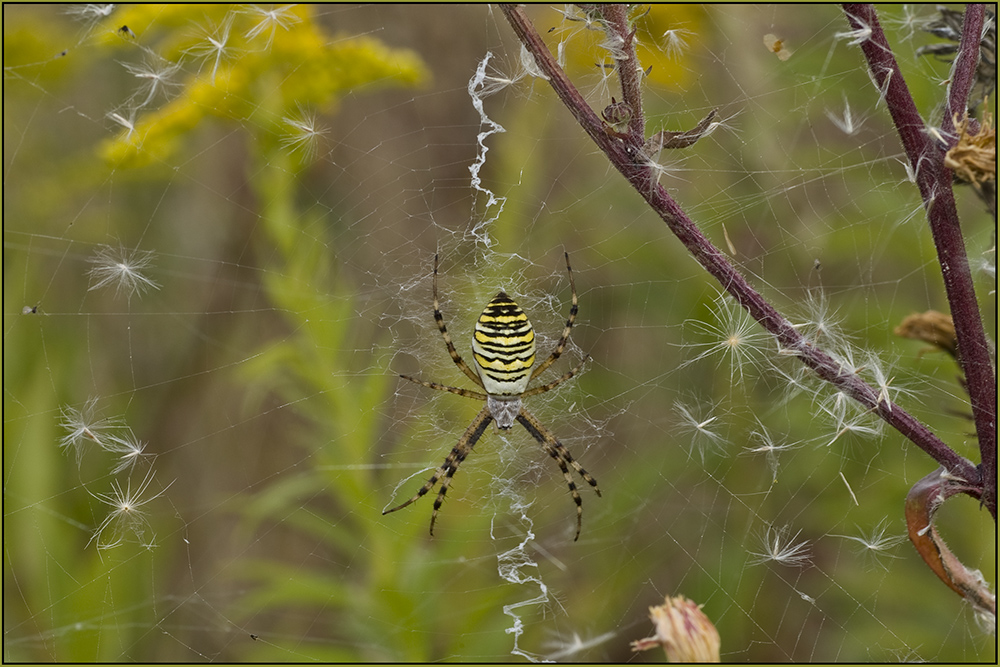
(503, 347)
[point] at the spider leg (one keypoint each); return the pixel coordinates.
(545, 387)
(468, 393)
(439, 320)
(451, 463)
(561, 345)
(558, 451)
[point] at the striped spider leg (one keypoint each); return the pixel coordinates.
(503, 347)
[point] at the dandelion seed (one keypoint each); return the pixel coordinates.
(674, 42)
(305, 134)
(860, 426)
(876, 545)
(795, 380)
(986, 621)
(781, 549)
(156, 74)
(214, 45)
(90, 14)
(987, 264)
(736, 337)
(127, 515)
(844, 356)
(127, 123)
(270, 20)
(911, 173)
(938, 134)
(90, 11)
(703, 439)
(907, 655)
(821, 323)
(658, 169)
(887, 394)
(856, 37)
(846, 123)
(83, 428)
(121, 268)
(530, 65)
(884, 88)
(769, 447)
(614, 44)
(129, 448)
(591, 18)
(908, 23)
(563, 650)
(495, 81)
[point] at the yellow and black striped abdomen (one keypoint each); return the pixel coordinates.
(504, 347)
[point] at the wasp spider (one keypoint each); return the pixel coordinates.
(504, 349)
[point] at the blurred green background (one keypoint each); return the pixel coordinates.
(294, 171)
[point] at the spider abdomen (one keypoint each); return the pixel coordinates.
(504, 347)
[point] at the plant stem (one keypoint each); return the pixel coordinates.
(966, 62)
(616, 17)
(935, 183)
(626, 157)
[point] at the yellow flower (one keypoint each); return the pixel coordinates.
(264, 64)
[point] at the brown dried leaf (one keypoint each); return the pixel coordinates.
(665, 139)
(931, 327)
(922, 502)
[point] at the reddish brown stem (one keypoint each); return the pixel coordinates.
(629, 72)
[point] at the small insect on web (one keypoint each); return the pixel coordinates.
(504, 349)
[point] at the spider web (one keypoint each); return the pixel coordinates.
(213, 282)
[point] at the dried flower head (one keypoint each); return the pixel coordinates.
(617, 115)
(683, 631)
(931, 327)
(974, 157)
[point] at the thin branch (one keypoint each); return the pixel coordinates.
(935, 182)
(964, 73)
(629, 72)
(625, 156)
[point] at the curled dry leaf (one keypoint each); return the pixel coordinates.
(665, 139)
(922, 502)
